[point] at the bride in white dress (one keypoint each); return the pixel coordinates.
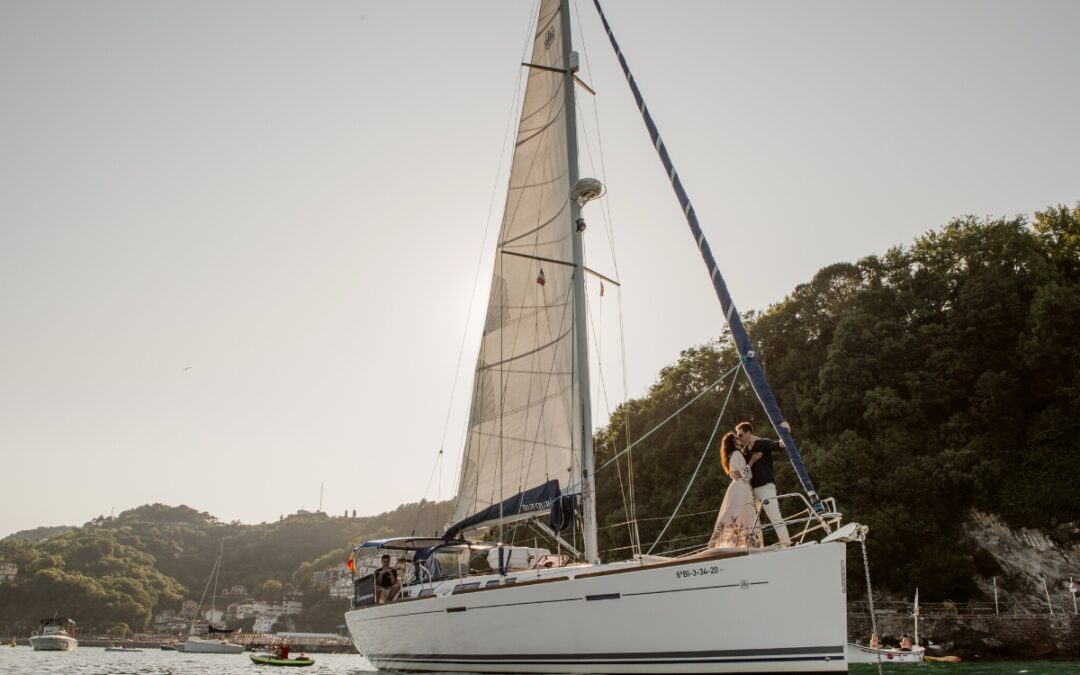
(735, 522)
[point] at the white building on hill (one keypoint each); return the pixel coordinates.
(8, 571)
(342, 588)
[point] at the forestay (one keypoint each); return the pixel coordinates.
(523, 415)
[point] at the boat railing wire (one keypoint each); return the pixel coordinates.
(810, 520)
(646, 520)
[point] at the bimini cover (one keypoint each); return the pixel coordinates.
(525, 416)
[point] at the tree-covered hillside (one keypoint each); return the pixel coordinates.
(936, 378)
(125, 569)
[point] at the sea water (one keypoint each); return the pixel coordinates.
(96, 661)
(974, 668)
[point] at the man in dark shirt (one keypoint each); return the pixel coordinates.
(761, 478)
(386, 582)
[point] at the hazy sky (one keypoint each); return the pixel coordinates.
(238, 239)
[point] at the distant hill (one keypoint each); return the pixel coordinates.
(40, 533)
(124, 569)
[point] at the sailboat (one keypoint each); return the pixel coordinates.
(461, 603)
(195, 644)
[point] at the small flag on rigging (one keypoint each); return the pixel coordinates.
(601, 289)
(540, 277)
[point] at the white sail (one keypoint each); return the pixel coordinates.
(523, 415)
(529, 433)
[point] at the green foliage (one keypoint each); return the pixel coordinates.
(39, 533)
(921, 383)
(125, 569)
(270, 590)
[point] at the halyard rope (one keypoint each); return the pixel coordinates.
(704, 454)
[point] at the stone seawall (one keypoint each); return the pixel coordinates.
(1009, 636)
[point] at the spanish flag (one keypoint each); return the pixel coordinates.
(351, 563)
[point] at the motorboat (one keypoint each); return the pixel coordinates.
(57, 634)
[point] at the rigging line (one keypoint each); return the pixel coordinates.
(686, 538)
(500, 261)
(553, 114)
(420, 510)
(673, 415)
(604, 203)
(546, 314)
(694, 547)
(670, 417)
(704, 454)
(514, 103)
(517, 334)
(681, 515)
(547, 389)
(602, 391)
(608, 219)
(755, 371)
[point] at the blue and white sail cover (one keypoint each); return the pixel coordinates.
(526, 400)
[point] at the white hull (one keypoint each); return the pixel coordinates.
(863, 654)
(779, 611)
(194, 645)
(53, 643)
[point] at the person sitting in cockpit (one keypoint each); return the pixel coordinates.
(386, 582)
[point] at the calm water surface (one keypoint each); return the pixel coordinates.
(96, 661)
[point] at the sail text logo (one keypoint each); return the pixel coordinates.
(536, 506)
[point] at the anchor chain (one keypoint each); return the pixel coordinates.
(870, 598)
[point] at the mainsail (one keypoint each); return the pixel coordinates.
(524, 420)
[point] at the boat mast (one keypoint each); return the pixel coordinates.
(577, 225)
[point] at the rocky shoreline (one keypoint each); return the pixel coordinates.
(981, 637)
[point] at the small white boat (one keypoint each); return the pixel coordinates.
(857, 653)
(863, 654)
(198, 645)
(54, 636)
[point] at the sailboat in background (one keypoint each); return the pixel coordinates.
(196, 644)
(454, 603)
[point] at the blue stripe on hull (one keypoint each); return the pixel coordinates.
(825, 653)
